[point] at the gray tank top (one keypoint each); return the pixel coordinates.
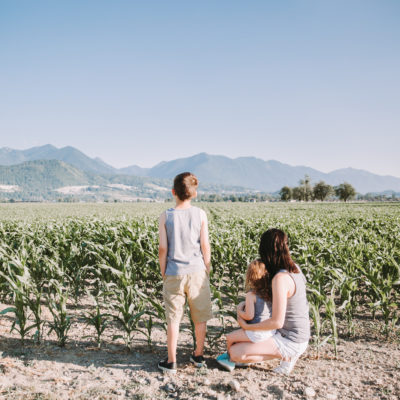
(262, 310)
(297, 323)
(183, 234)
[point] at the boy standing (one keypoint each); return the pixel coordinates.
(185, 255)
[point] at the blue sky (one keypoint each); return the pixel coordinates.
(313, 83)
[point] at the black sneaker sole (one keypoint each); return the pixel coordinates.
(169, 370)
(197, 364)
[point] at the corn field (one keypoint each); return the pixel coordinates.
(54, 257)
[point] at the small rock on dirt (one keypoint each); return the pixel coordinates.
(331, 396)
(169, 387)
(309, 392)
(235, 385)
(206, 382)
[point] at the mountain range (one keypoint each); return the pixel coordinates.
(44, 180)
(244, 172)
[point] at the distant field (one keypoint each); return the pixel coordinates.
(38, 211)
(32, 211)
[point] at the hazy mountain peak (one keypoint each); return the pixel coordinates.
(68, 154)
(48, 146)
(45, 147)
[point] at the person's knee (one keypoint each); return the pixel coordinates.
(230, 339)
(235, 355)
(202, 325)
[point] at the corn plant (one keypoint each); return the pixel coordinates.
(148, 327)
(214, 336)
(98, 320)
(57, 304)
(35, 304)
(128, 304)
(317, 299)
(157, 310)
(129, 314)
(330, 308)
(18, 281)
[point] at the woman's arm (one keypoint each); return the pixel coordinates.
(163, 244)
(204, 242)
(248, 312)
(280, 290)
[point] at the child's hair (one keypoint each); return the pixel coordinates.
(256, 279)
(185, 185)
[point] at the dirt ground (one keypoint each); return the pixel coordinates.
(367, 367)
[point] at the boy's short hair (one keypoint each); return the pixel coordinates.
(185, 185)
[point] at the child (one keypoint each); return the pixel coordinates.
(184, 254)
(255, 308)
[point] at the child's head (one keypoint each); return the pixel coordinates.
(256, 279)
(185, 186)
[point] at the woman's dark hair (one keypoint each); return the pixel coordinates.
(274, 253)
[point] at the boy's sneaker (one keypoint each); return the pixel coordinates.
(224, 361)
(198, 361)
(165, 366)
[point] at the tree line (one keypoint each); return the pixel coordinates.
(320, 191)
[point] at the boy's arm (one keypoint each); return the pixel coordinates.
(248, 312)
(204, 242)
(163, 244)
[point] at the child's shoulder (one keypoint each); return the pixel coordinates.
(251, 295)
(167, 212)
(201, 212)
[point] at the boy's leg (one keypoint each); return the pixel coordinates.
(199, 300)
(174, 299)
(200, 330)
(236, 336)
(172, 340)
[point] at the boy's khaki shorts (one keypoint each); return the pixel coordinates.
(196, 288)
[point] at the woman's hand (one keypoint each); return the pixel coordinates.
(243, 324)
(240, 307)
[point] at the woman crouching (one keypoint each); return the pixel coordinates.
(287, 289)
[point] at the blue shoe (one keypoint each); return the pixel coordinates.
(224, 361)
(223, 356)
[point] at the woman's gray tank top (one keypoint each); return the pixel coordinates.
(262, 310)
(297, 323)
(183, 234)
